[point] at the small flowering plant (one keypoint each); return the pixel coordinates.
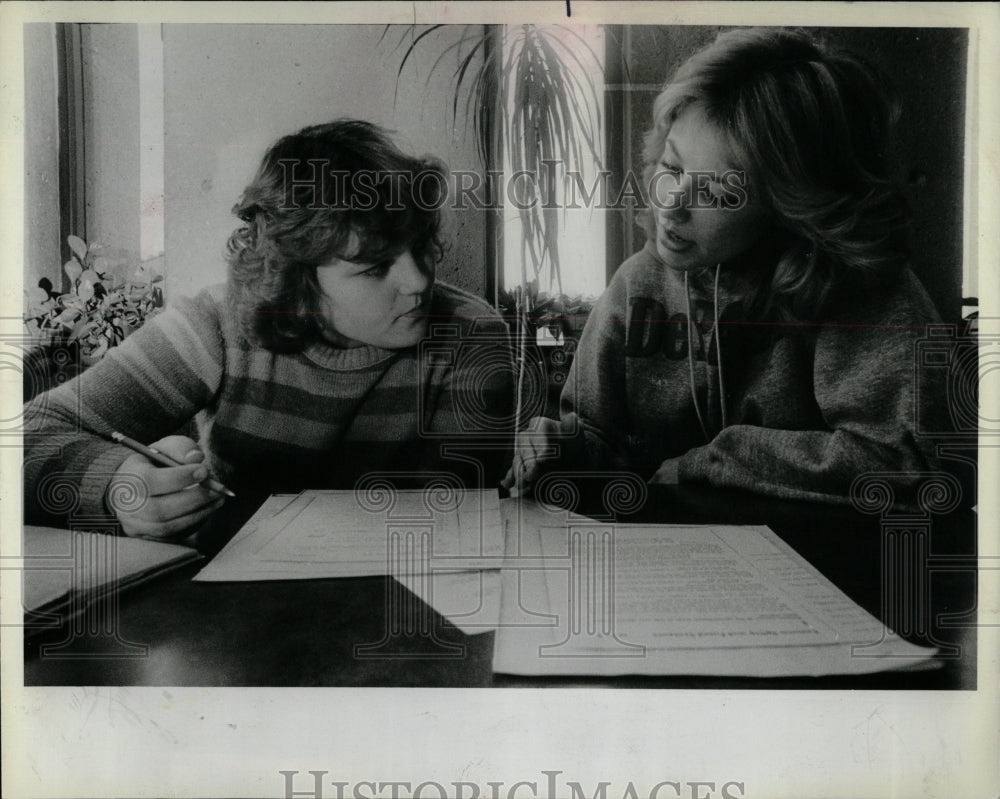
(107, 301)
(563, 316)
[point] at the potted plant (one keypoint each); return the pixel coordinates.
(108, 299)
(563, 317)
(529, 96)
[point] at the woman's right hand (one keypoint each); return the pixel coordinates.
(175, 502)
(534, 447)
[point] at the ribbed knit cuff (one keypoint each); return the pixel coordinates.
(94, 482)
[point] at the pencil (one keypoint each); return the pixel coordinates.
(165, 460)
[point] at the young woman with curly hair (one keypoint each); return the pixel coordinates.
(329, 354)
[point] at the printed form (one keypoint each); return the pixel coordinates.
(575, 595)
(584, 597)
(319, 534)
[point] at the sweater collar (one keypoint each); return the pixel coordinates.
(346, 359)
(341, 359)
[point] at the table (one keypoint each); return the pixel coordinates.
(172, 631)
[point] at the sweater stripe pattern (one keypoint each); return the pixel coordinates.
(271, 422)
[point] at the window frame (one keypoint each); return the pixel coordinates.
(70, 102)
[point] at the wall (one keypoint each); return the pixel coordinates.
(230, 90)
(111, 136)
(111, 145)
(42, 256)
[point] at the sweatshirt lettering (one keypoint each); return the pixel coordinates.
(649, 330)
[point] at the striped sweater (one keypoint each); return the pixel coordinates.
(271, 422)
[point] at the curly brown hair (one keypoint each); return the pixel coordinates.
(337, 190)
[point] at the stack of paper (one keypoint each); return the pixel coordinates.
(584, 597)
(65, 570)
(578, 596)
(340, 534)
(447, 551)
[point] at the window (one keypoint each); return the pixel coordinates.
(581, 229)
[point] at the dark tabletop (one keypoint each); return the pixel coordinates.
(172, 631)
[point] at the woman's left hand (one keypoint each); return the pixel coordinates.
(667, 474)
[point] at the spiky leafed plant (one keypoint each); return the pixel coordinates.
(529, 95)
(545, 103)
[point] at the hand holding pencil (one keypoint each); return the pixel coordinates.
(180, 492)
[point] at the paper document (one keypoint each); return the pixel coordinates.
(346, 534)
(584, 597)
(63, 570)
(468, 599)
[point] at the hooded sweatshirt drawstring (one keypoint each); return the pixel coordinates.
(718, 348)
(718, 351)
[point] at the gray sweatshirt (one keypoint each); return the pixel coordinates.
(808, 407)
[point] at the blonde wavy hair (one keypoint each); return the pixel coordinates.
(811, 127)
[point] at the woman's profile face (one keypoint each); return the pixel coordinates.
(385, 304)
(706, 211)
